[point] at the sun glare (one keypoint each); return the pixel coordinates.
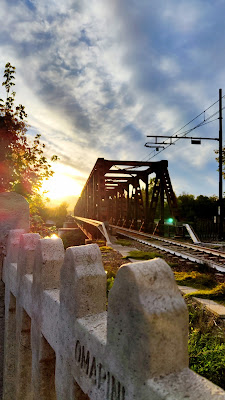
(63, 183)
(54, 236)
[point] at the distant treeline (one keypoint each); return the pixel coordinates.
(192, 208)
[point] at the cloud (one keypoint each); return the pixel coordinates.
(96, 77)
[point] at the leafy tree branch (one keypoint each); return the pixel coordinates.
(23, 165)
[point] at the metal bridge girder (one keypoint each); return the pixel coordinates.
(118, 190)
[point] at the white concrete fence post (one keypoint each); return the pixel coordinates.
(25, 266)
(14, 214)
(9, 278)
(82, 297)
(49, 256)
(147, 321)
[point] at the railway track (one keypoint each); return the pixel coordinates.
(191, 252)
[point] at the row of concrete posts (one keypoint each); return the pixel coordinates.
(61, 343)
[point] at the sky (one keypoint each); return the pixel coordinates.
(96, 77)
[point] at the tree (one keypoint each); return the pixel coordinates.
(223, 160)
(186, 206)
(201, 207)
(23, 165)
(206, 207)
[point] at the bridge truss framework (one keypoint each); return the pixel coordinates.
(118, 192)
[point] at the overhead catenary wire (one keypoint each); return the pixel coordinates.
(204, 122)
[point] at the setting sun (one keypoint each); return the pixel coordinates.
(65, 182)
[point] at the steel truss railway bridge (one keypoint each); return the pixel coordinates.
(118, 192)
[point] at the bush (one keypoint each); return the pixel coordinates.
(110, 282)
(207, 356)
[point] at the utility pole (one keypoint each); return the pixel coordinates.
(220, 208)
(197, 140)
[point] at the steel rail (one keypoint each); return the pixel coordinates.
(130, 234)
(175, 242)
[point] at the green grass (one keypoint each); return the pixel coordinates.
(206, 344)
(124, 242)
(217, 293)
(110, 281)
(207, 356)
(195, 279)
(206, 283)
(143, 255)
(106, 249)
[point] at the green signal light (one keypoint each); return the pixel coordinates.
(170, 220)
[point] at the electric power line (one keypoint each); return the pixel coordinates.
(204, 122)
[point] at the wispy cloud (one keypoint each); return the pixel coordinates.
(96, 77)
